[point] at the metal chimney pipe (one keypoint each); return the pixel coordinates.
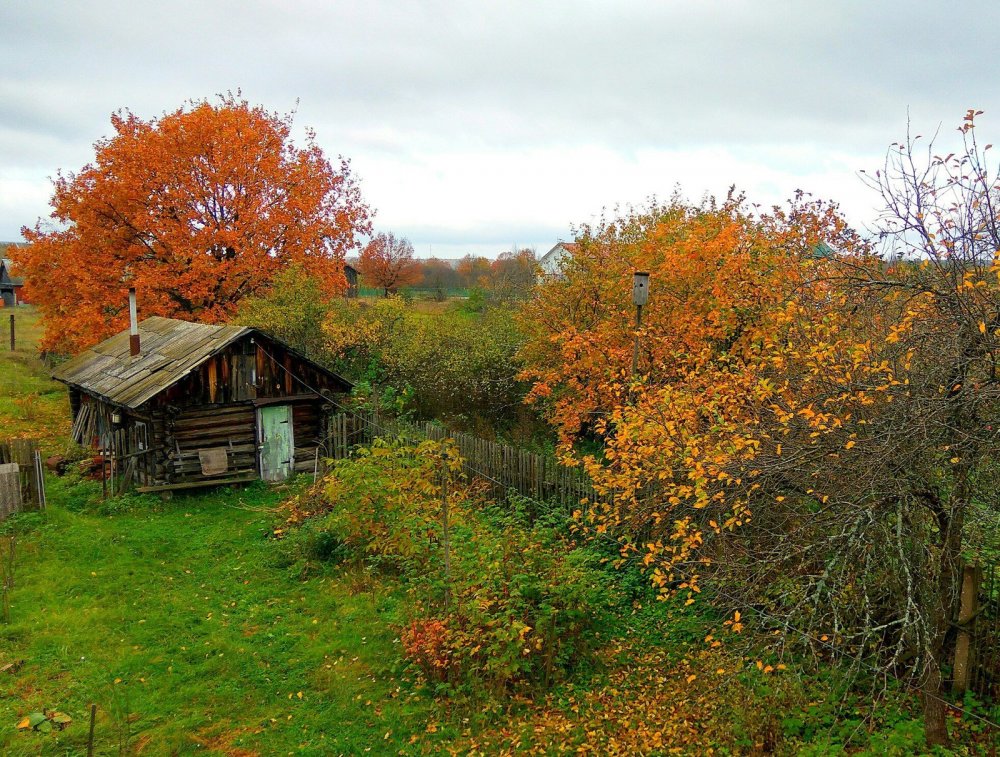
(133, 334)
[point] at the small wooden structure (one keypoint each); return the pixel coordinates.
(9, 285)
(351, 274)
(199, 404)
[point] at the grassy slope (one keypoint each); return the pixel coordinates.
(183, 606)
(178, 624)
(31, 404)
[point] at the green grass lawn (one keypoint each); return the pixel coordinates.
(31, 404)
(194, 631)
(181, 622)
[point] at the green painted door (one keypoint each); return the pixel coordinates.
(277, 451)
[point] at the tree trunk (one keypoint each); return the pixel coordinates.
(964, 644)
(951, 521)
(935, 723)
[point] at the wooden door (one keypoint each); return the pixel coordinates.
(277, 444)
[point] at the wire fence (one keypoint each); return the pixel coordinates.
(985, 630)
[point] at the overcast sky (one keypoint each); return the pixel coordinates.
(474, 126)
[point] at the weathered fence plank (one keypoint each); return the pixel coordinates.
(30, 473)
(10, 489)
(964, 647)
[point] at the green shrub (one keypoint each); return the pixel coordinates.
(517, 605)
(524, 608)
(293, 308)
(475, 302)
(452, 366)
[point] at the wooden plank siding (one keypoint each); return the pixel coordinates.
(231, 428)
(306, 423)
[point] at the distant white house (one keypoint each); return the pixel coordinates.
(551, 263)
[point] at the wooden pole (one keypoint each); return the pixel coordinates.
(90, 736)
(40, 479)
(640, 296)
(13, 340)
(635, 351)
(964, 648)
(445, 542)
(104, 472)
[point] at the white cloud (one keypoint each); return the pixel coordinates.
(477, 125)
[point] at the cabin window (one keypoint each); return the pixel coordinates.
(141, 436)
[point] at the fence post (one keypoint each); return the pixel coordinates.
(40, 479)
(964, 648)
(10, 489)
(23, 453)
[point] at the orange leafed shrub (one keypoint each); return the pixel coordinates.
(427, 643)
(721, 276)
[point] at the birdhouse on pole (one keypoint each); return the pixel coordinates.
(640, 295)
(640, 288)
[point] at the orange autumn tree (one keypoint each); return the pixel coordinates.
(720, 277)
(475, 270)
(716, 272)
(811, 423)
(512, 275)
(387, 262)
(196, 209)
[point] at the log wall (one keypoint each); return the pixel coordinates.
(231, 427)
(247, 371)
(306, 431)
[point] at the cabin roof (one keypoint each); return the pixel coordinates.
(170, 349)
(5, 265)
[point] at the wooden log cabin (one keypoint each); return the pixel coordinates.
(179, 405)
(9, 285)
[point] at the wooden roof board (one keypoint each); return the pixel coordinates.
(170, 349)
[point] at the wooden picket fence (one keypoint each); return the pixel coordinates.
(502, 467)
(341, 432)
(505, 469)
(22, 477)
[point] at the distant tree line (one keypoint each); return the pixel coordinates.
(388, 263)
